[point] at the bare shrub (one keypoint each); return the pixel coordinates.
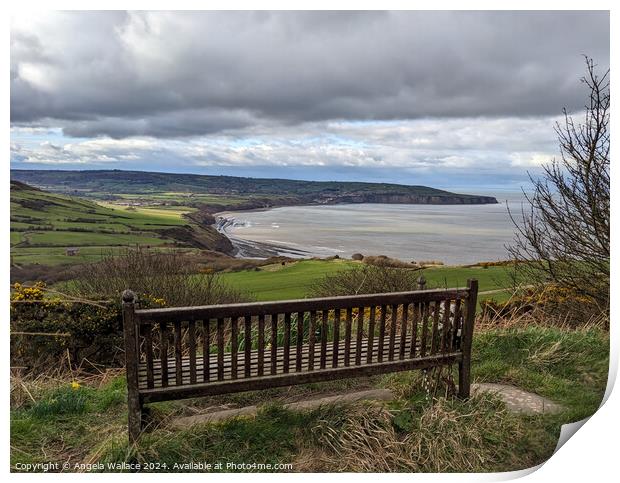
(34, 272)
(366, 279)
(564, 235)
(384, 261)
(166, 276)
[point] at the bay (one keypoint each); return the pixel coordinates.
(452, 234)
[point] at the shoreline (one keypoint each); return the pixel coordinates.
(253, 249)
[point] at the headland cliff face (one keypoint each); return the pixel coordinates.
(411, 199)
(387, 198)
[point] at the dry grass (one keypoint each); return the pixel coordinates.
(533, 310)
(442, 437)
(27, 389)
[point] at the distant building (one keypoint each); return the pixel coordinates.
(72, 251)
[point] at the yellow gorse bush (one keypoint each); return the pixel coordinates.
(30, 293)
(152, 300)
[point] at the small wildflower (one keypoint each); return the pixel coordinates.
(75, 385)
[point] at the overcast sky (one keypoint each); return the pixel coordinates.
(445, 98)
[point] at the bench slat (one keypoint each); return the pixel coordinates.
(445, 322)
(286, 342)
(456, 324)
(178, 350)
(360, 334)
(392, 332)
(191, 340)
(220, 349)
(311, 340)
(148, 348)
(274, 342)
(234, 344)
(206, 344)
(425, 315)
(324, 324)
(300, 340)
(347, 337)
(336, 338)
(247, 344)
(261, 344)
(163, 332)
(434, 332)
(371, 335)
(382, 333)
(415, 311)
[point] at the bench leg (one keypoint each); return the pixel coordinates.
(134, 417)
(466, 339)
(132, 356)
(464, 379)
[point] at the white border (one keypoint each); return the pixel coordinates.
(588, 456)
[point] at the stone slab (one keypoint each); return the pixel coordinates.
(305, 405)
(518, 400)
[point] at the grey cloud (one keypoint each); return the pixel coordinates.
(173, 124)
(171, 74)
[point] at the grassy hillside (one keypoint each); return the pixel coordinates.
(229, 192)
(44, 224)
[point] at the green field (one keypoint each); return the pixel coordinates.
(294, 280)
(291, 281)
(44, 224)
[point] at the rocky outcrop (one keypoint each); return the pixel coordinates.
(203, 237)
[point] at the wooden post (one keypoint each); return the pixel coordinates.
(132, 355)
(467, 333)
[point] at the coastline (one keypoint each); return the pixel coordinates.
(426, 246)
(254, 249)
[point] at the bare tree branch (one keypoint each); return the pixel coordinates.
(564, 236)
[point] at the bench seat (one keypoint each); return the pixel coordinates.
(227, 375)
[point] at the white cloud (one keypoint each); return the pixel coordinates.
(529, 159)
(428, 144)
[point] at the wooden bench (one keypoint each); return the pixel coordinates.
(184, 352)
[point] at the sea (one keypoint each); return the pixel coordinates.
(452, 234)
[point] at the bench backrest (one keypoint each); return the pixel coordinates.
(268, 344)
